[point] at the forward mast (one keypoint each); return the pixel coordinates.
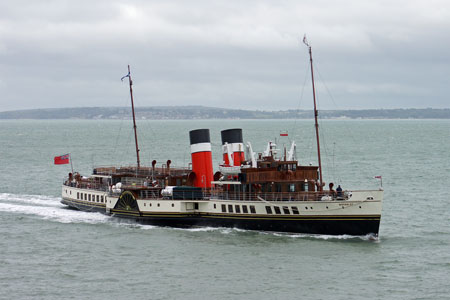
(134, 118)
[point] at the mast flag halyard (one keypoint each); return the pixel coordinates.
(305, 41)
(132, 110)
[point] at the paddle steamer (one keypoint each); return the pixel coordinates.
(256, 191)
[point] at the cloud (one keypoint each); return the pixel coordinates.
(242, 54)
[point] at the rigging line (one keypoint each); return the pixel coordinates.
(301, 98)
(333, 171)
(295, 130)
(116, 142)
(347, 129)
(330, 167)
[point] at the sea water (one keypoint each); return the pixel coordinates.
(50, 252)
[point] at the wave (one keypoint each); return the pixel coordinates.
(367, 237)
(225, 230)
(48, 208)
(31, 199)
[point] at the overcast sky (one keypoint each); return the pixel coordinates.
(242, 54)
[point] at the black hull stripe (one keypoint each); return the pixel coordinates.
(331, 227)
(246, 217)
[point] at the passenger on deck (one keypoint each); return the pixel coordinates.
(332, 192)
(339, 191)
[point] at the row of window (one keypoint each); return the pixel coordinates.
(89, 197)
(285, 209)
(237, 208)
(230, 208)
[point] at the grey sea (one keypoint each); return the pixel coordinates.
(50, 252)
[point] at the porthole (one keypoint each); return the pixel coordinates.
(173, 205)
(306, 207)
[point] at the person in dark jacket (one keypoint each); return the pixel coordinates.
(339, 191)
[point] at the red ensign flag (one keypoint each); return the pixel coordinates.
(62, 160)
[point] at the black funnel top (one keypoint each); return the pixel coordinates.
(231, 136)
(199, 136)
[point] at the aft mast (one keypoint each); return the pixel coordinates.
(315, 113)
(134, 119)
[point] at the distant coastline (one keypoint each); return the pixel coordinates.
(203, 112)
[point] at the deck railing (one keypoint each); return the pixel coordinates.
(278, 196)
(245, 196)
(206, 194)
(86, 185)
(142, 171)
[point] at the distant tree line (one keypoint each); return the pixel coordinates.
(202, 112)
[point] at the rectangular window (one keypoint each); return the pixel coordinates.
(78, 195)
(230, 208)
(292, 187)
(277, 210)
(214, 206)
(101, 198)
(252, 209)
(237, 208)
(224, 208)
(85, 196)
(89, 197)
(268, 209)
(294, 210)
(244, 209)
(98, 198)
(286, 210)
